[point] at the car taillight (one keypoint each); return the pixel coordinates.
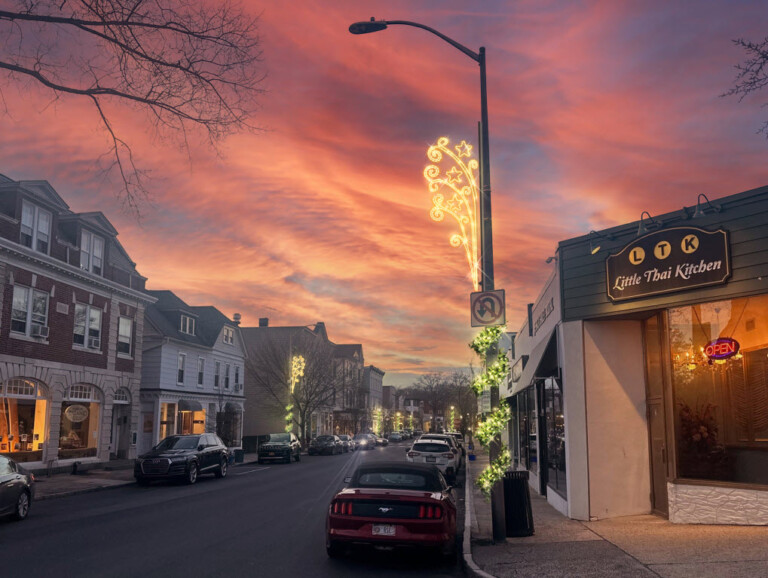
(32, 477)
(448, 455)
(430, 512)
(342, 508)
(413, 454)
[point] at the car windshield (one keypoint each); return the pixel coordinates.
(430, 447)
(178, 443)
(344, 438)
(280, 438)
(324, 438)
(398, 480)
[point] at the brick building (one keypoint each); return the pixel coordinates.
(71, 316)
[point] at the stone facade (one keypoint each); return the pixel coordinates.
(696, 504)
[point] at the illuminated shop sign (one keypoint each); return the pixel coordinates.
(668, 260)
(721, 348)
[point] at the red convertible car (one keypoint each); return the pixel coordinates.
(393, 504)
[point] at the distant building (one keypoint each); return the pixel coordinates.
(350, 414)
(193, 372)
(70, 341)
(372, 383)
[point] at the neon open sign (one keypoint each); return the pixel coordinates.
(722, 348)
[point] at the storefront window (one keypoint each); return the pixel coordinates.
(80, 419)
(191, 422)
(23, 415)
(167, 420)
(526, 403)
(719, 355)
(553, 400)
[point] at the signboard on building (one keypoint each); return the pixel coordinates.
(487, 308)
(668, 260)
(484, 401)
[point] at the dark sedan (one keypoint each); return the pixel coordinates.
(17, 489)
(183, 457)
(391, 504)
(327, 444)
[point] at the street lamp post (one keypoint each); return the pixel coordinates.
(486, 230)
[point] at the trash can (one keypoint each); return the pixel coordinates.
(517, 504)
(239, 456)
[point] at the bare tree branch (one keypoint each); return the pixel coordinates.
(183, 63)
(752, 74)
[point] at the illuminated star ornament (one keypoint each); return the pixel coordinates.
(460, 200)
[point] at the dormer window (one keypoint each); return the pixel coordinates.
(229, 335)
(91, 252)
(187, 325)
(35, 227)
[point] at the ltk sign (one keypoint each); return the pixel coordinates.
(667, 261)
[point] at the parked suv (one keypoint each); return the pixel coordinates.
(280, 446)
(326, 444)
(183, 457)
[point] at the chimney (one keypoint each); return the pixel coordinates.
(236, 318)
(263, 321)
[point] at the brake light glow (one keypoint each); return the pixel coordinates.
(413, 454)
(430, 512)
(447, 455)
(342, 507)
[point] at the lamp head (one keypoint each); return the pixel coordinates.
(367, 27)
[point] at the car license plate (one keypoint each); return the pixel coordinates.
(271, 453)
(431, 459)
(383, 530)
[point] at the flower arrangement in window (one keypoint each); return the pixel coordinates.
(702, 455)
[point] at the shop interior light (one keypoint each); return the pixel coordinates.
(642, 228)
(594, 241)
(701, 210)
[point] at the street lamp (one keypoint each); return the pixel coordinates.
(486, 232)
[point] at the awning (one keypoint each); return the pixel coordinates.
(190, 405)
(232, 407)
(542, 362)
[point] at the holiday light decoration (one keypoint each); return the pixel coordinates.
(462, 200)
(297, 372)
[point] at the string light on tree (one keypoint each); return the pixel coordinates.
(297, 372)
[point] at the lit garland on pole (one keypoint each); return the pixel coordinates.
(463, 202)
(493, 425)
(297, 372)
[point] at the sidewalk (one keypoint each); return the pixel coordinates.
(633, 546)
(66, 484)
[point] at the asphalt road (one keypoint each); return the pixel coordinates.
(263, 521)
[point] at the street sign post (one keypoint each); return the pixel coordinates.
(488, 308)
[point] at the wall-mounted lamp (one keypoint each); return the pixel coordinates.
(594, 241)
(552, 258)
(642, 229)
(701, 210)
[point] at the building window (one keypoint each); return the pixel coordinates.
(35, 227)
(721, 391)
(237, 377)
(124, 335)
(187, 325)
(216, 373)
(23, 426)
(80, 416)
(229, 335)
(553, 406)
(87, 326)
(91, 252)
(29, 314)
(226, 376)
(182, 361)
(200, 370)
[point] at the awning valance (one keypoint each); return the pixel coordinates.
(232, 407)
(542, 362)
(190, 405)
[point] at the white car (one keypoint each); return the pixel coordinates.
(438, 453)
(452, 443)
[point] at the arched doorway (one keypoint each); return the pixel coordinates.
(121, 419)
(23, 419)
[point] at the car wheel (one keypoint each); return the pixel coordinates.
(192, 473)
(222, 471)
(333, 550)
(22, 506)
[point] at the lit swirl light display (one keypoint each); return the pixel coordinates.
(462, 200)
(297, 372)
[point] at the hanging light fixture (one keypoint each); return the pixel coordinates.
(701, 210)
(594, 241)
(642, 229)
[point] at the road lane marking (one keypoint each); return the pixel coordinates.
(249, 472)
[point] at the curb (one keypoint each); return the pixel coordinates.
(66, 493)
(470, 567)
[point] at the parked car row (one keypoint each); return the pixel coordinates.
(445, 451)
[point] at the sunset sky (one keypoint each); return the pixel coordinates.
(598, 111)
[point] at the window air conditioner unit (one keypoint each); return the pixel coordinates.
(39, 330)
(94, 343)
